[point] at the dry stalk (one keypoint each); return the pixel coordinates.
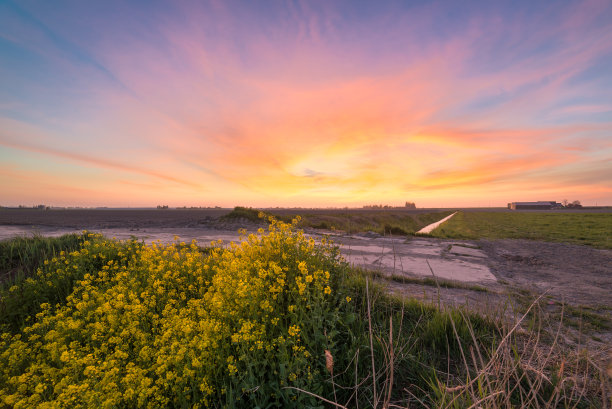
(371, 345)
(391, 368)
(356, 383)
(496, 363)
(316, 396)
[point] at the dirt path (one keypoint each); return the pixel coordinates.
(572, 273)
(575, 282)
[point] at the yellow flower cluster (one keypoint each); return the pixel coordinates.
(175, 325)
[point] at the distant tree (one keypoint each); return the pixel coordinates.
(576, 203)
(564, 202)
(410, 205)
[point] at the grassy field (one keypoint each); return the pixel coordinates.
(384, 222)
(278, 321)
(593, 229)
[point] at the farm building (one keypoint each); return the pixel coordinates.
(542, 205)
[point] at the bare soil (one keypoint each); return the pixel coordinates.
(573, 281)
(112, 218)
(566, 272)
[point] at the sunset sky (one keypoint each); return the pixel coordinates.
(314, 103)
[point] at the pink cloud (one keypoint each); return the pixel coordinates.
(98, 162)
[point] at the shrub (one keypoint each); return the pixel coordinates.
(168, 325)
(247, 213)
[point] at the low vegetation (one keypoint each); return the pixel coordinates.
(384, 222)
(21, 256)
(244, 213)
(594, 229)
(275, 321)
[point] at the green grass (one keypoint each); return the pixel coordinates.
(593, 229)
(383, 222)
(587, 319)
(21, 256)
(425, 341)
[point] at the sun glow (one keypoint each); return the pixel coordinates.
(224, 104)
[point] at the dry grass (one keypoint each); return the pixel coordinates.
(526, 371)
(531, 366)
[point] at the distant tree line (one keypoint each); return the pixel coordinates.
(574, 204)
(198, 207)
(38, 207)
(408, 205)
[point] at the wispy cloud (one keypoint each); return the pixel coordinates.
(340, 103)
(91, 161)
